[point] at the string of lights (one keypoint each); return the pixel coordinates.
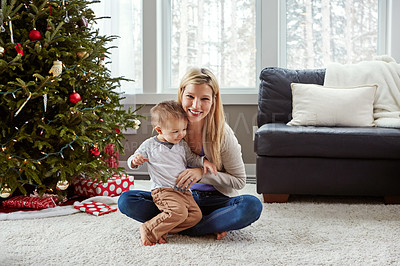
(46, 155)
(13, 139)
(58, 118)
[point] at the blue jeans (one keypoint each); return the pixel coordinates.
(220, 213)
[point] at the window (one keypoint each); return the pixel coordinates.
(160, 39)
(219, 35)
(323, 31)
(125, 22)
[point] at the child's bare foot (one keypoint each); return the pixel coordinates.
(163, 239)
(143, 237)
(220, 235)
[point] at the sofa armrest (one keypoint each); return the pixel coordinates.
(275, 94)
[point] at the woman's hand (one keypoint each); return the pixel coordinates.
(188, 177)
(207, 165)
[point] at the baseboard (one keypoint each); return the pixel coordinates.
(250, 173)
(142, 172)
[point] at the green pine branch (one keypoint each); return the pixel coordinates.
(44, 137)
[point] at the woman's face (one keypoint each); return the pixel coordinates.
(197, 100)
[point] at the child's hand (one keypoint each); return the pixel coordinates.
(207, 165)
(138, 160)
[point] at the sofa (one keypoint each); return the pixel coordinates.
(319, 160)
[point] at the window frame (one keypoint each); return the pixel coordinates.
(270, 37)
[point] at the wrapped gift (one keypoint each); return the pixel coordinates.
(113, 187)
(31, 202)
(95, 208)
(113, 160)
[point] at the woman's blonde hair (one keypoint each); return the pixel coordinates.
(215, 118)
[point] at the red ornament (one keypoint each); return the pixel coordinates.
(35, 35)
(74, 97)
(117, 130)
(83, 22)
(94, 151)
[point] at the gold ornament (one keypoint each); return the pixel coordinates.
(56, 69)
(5, 191)
(62, 185)
(82, 53)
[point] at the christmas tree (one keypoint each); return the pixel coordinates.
(58, 104)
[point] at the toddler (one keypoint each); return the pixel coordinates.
(167, 155)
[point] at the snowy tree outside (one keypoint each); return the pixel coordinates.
(222, 34)
(323, 31)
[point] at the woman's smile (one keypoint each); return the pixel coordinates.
(195, 113)
(197, 101)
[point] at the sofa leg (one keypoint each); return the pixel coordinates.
(391, 200)
(276, 198)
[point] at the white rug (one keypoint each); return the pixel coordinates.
(305, 231)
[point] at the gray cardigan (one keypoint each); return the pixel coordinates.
(233, 175)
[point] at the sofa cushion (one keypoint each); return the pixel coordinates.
(316, 105)
(275, 94)
(281, 140)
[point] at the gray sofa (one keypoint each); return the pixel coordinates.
(295, 160)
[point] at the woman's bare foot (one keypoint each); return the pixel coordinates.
(143, 237)
(163, 239)
(220, 235)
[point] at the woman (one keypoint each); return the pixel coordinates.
(207, 134)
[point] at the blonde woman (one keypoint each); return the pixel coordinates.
(208, 134)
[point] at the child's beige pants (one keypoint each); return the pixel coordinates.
(179, 211)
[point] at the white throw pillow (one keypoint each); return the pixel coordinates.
(316, 105)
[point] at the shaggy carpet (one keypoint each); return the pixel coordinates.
(305, 231)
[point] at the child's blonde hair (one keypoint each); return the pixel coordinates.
(164, 111)
(215, 118)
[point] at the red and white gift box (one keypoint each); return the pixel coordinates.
(113, 187)
(94, 207)
(31, 202)
(113, 160)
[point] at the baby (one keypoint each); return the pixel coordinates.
(167, 155)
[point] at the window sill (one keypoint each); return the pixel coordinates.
(154, 98)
